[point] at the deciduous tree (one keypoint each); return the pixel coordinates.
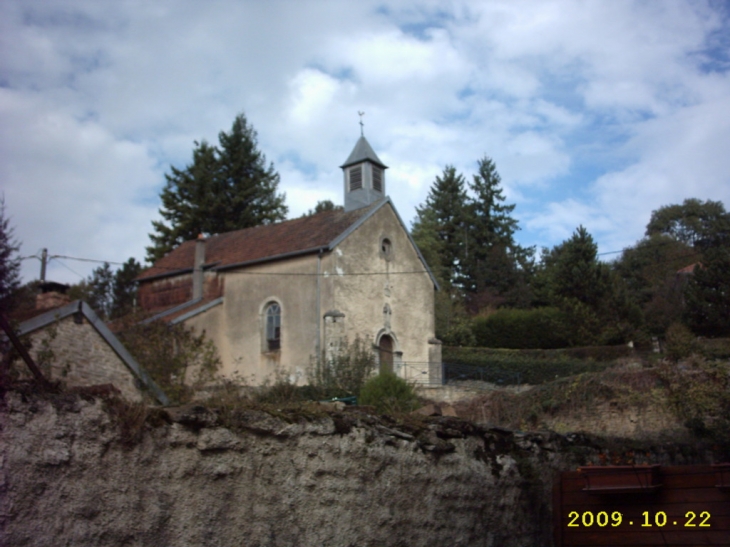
(688, 222)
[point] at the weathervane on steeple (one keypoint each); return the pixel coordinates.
(361, 114)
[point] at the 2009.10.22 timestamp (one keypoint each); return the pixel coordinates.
(616, 518)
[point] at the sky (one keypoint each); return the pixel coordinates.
(595, 113)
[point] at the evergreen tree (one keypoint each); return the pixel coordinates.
(124, 288)
(441, 224)
(594, 300)
(9, 261)
(493, 261)
(225, 188)
(96, 290)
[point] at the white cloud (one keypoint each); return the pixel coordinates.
(98, 99)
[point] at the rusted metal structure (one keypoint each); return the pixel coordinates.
(643, 505)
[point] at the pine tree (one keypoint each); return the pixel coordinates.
(226, 187)
(441, 224)
(124, 288)
(9, 261)
(493, 261)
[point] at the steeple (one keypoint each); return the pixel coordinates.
(364, 176)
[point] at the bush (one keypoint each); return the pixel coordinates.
(539, 328)
(699, 394)
(344, 373)
(389, 394)
(680, 342)
(175, 356)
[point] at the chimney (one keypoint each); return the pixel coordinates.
(52, 296)
(198, 267)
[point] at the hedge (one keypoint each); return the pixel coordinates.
(521, 329)
(508, 366)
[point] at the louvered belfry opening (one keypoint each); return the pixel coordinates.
(377, 178)
(355, 177)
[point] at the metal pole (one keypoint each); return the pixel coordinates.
(44, 261)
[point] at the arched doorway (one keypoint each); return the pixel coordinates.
(385, 349)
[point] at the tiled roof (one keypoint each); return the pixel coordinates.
(261, 242)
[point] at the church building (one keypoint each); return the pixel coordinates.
(273, 297)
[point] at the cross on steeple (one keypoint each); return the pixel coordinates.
(361, 114)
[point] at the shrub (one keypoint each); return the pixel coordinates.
(699, 394)
(389, 394)
(343, 373)
(680, 342)
(175, 357)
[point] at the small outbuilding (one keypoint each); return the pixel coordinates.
(73, 345)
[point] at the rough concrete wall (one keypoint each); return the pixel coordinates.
(410, 296)
(81, 357)
(344, 479)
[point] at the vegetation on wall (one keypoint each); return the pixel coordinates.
(389, 394)
(177, 359)
(343, 373)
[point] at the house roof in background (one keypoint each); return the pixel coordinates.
(57, 314)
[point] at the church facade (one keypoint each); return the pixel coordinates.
(274, 297)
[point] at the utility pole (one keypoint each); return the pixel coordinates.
(44, 261)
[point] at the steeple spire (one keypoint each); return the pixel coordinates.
(364, 174)
(362, 125)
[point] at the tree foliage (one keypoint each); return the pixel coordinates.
(322, 206)
(708, 290)
(177, 358)
(492, 259)
(689, 222)
(110, 293)
(594, 300)
(226, 187)
(649, 270)
(9, 259)
(465, 232)
(441, 225)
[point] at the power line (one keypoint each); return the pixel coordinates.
(87, 260)
(70, 270)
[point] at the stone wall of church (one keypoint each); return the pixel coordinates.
(377, 280)
(237, 326)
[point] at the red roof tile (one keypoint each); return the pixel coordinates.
(260, 242)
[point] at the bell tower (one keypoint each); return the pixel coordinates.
(364, 176)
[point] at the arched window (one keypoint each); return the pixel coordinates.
(272, 326)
